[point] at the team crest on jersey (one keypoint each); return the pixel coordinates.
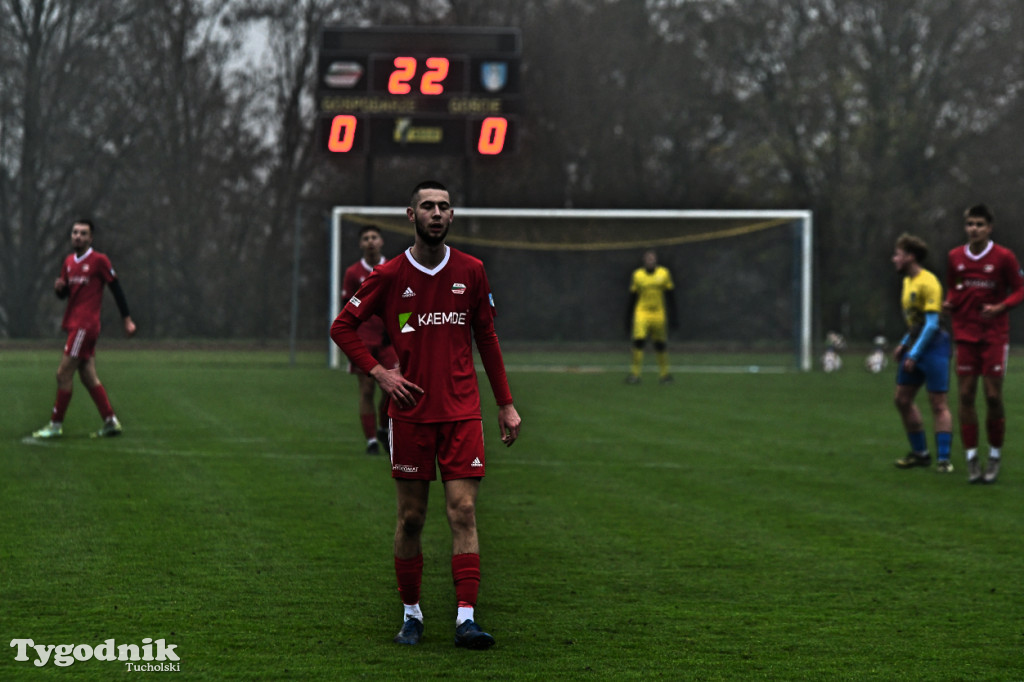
(458, 288)
(989, 267)
(85, 268)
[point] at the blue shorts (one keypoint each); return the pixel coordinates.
(932, 368)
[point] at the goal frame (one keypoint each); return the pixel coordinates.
(804, 218)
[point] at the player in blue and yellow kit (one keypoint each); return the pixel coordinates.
(651, 303)
(922, 357)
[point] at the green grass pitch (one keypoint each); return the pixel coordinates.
(732, 526)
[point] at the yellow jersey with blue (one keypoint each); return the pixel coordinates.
(922, 294)
(650, 288)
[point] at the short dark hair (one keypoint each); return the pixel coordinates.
(366, 228)
(426, 184)
(915, 246)
(85, 221)
(980, 211)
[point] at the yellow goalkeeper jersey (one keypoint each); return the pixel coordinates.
(650, 288)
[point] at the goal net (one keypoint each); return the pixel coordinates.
(561, 277)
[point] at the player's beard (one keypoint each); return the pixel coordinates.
(428, 238)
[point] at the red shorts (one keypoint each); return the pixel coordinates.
(457, 447)
(982, 359)
(385, 355)
(81, 344)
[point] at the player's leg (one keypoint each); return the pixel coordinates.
(636, 363)
(913, 425)
(462, 465)
(368, 412)
(935, 365)
(995, 425)
(389, 359)
(460, 495)
(91, 381)
(412, 514)
(943, 431)
(69, 363)
(659, 338)
(968, 368)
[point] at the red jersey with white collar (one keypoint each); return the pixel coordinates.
(973, 280)
(85, 276)
(372, 330)
(431, 317)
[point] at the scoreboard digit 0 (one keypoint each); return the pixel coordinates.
(398, 90)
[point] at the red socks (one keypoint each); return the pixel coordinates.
(466, 574)
(60, 407)
(99, 396)
(996, 430)
(969, 435)
(410, 575)
(369, 422)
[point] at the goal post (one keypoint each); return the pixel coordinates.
(569, 264)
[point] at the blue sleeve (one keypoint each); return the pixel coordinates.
(931, 325)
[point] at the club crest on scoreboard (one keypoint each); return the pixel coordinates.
(494, 75)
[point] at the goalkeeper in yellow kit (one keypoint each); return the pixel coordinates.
(652, 302)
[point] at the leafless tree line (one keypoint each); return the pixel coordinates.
(185, 129)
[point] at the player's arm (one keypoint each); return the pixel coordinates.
(489, 348)
(61, 288)
(631, 310)
(122, 307)
(670, 309)
(949, 303)
(930, 328)
(1015, 283)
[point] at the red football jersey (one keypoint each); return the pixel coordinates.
(372, 330)
(85, 275)
(431, 317)
(993, 276)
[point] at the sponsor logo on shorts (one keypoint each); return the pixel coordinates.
(476, 462)
(405, 468)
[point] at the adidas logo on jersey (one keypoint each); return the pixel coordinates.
(476, 462)
(408, 293)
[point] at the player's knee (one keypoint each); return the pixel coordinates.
(660, 346)
(462, 513)
(411, 522)
(638, 344)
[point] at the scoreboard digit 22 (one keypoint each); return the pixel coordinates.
(415, 90)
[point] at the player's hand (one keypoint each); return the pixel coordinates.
(508, 424)
(129, 327)
(59, 285)
(397, 387)
(990, 310)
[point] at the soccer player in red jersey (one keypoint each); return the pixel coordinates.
(373, 335)
(81, 281)
(984, 281)
(434, 301)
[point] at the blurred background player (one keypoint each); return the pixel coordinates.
(922, 356)
(372, 419)
(984, 281)
(652, 302)
(82, 277)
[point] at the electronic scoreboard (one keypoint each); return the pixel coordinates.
(417, 90)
